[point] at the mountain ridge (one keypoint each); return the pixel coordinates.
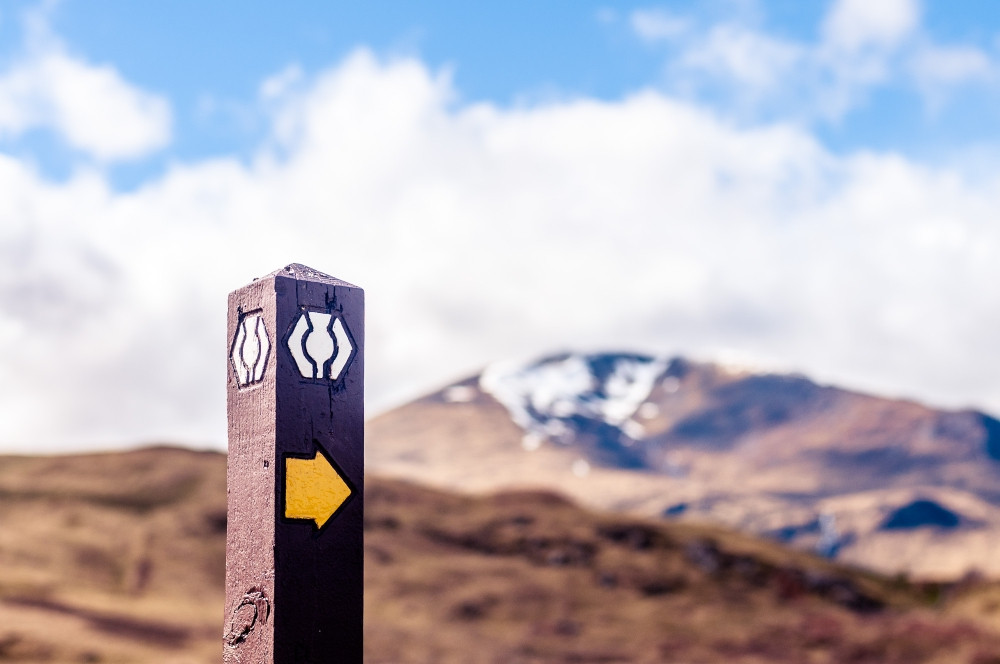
(815, 465)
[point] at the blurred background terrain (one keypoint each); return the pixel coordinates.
(889, 485)
(119, 556)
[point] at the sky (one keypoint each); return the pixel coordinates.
(807, 187)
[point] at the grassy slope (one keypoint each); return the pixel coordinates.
(112, 557)
(120, 557)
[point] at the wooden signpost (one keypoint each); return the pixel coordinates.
(294, 558)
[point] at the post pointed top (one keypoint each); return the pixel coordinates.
(300, 271)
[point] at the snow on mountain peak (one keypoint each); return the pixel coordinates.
(557, 397)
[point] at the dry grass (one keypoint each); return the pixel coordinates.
(112, 557)
(531, 578)
(120, 558)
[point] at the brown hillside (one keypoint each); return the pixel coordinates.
(119, 558)
(886, 484)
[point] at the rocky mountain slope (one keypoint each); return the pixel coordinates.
(891, 485)
(120, 558)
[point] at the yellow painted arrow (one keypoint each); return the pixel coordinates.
(313, 489)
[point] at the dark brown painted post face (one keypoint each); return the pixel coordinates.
(294, 548)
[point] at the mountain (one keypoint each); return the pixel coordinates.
(890, 485)
(119, 558)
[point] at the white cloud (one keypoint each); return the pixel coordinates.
(481, 232)
(91, 107)
(856, 24)
(936, 66)
(657, 24)
(281, 83)
(748, 58)
(758, 74)
(862, 46)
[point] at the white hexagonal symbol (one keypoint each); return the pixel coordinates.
(320, 345)
(251, 348)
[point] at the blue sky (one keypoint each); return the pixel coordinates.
(788, 185)
(209, 60)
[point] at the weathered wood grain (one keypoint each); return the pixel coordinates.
(294, 583)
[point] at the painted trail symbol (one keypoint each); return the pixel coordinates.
(314, 490)
(251, 348)
(295, 471)
(320, 345)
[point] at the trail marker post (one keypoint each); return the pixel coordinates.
(294, 556)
